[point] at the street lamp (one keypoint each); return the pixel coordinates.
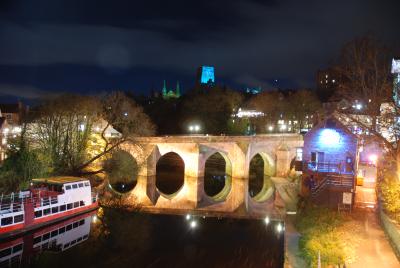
(194, 128)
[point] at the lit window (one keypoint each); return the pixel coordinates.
(299, 154)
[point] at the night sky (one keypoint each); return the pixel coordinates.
(89, 46)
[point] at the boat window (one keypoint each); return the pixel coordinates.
(38, 214)
(81, 203)
(82, 222)
(68, 187)
(54, 233)
(46, 236)
(6, 221)
(85, 236)
(79, 239)
(66, 245)
(61, 230)
(46, 211)
(63, 207)
(74, 186)
(73, 242)
(54, 200)
(76, 204)
(87, 184)
(37, 240)
(45, 245)
(18, 218)
(46, 201)
(69, 206)
(5, 252)
(80, 185)
(17, 248)
(69, 227)
(75, 224)
(54, 209)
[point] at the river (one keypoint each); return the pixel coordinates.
(117, 238)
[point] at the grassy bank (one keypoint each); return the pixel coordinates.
(329, 233)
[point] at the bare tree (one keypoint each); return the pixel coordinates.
(63, 128)
(364, 67)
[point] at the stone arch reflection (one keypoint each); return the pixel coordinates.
(170, 174)
(217, 176)
(261, 170)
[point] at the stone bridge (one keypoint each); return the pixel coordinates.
(276, 150)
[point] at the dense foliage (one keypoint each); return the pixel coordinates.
(328, 233)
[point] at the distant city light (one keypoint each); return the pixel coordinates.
(194, 128)
(279, 228)
(266, 220)
(248, 113)
(193, 224)
(358, 106)
(188, 217)
(270, 128)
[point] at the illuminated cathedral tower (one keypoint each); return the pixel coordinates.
(171, 94)
(396, 80)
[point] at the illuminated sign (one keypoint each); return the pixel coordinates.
(207, 75)
(395, 66)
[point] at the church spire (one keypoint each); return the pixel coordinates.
(178, 90)
(164, 89)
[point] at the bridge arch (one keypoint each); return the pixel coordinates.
(217, 176)
(170, 174)
(121, 170)
(261, 169)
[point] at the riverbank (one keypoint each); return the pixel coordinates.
(355, 239)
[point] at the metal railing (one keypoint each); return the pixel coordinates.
(342, 180)
(326, 167)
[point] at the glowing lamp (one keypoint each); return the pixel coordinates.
(329, 137)
(188, 216)
(279, 228)
(266, 220)
(193, 224)
(373, 158)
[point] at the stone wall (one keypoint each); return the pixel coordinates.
(277, 150)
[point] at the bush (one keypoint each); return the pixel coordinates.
(390, 193)
(324, 231)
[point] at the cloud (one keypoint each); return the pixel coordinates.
(25, 92)
(249, 41)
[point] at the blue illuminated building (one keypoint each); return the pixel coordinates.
(396, 80)
(329, 158)
(205, 75)
(253, 90)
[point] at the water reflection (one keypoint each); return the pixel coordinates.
(130, 239)
(22, 251)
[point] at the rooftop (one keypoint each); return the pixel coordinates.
(58, 180)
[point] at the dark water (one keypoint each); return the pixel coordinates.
(114, 238)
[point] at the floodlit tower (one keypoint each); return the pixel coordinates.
(396, 80)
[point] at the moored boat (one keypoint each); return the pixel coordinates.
(48, 200)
